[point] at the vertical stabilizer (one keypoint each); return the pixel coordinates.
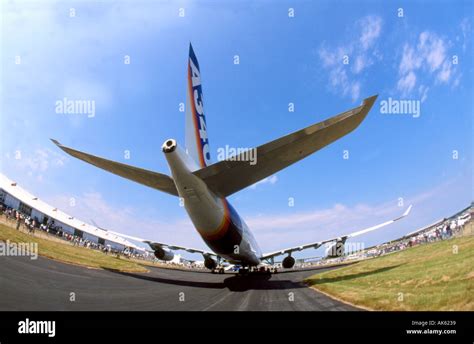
(197, 142)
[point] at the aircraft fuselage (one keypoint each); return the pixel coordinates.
(216, 221)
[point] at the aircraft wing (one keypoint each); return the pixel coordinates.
(229, 176)
(318, 244)
(154, 245)
(152, 179)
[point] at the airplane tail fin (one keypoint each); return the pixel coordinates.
(197, 142)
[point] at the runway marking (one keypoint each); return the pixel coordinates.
(245, 302)
(218, 301)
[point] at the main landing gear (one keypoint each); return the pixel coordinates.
(218, 270)
(262, 270)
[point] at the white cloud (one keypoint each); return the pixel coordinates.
(286, 230)
(466, 29)
(328, 58)
(423, 91)
(91, 206)
(371, 26)
(407, 83)
(410, 60)
(359, 64)
(355, 90)
(445, 73)
(340, 80)
(281, 230)
(428, 57)
(36, 162)
(360, 53)
(268, 180)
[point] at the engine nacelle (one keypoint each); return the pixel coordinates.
(288, 262)
(210, 263)
(335, 250)
(163, 254)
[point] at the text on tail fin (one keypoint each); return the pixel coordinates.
(197, 142)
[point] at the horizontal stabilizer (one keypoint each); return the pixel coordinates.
(152, 179)
(229, 176)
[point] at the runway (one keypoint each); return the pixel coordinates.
(44, 284)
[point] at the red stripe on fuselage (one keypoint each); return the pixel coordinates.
(222, 228)
(195, 118)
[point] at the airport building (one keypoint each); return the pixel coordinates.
(14, 196)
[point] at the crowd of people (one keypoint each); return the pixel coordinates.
(32, 224)
(441, 231)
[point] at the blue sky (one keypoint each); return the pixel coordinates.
(283, 60)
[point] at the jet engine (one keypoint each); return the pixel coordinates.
(163, 254)
(288, 262)
(210, 263)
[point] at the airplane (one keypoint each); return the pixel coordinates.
(205, 186)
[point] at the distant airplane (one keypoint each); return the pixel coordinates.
(204, 186)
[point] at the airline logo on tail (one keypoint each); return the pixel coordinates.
(195, 102)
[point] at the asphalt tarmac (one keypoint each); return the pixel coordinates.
(45, 284)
